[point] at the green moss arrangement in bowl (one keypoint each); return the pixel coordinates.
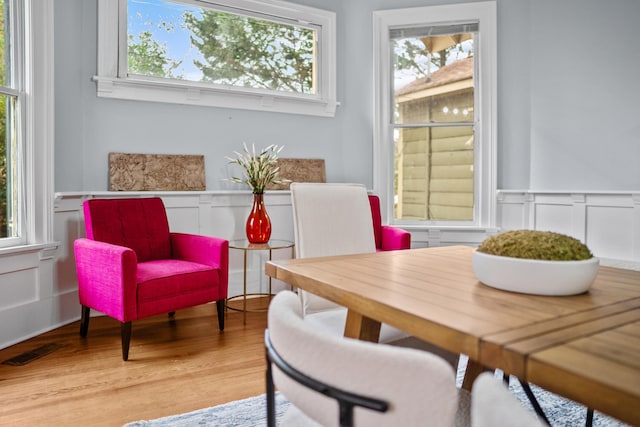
(535, 262)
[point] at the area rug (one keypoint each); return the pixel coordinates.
(561, 411)
(251, 412)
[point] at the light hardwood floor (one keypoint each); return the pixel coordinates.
(174, 366)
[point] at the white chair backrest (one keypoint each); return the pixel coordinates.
(419, 386)
(492, 405)
(330, 219)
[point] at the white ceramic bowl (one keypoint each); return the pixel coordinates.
(531, 276)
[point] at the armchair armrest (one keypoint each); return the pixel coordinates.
(107, 278)
(394, 238)
(206, 250)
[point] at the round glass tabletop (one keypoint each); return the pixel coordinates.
(244, 244)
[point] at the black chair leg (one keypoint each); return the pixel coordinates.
(172, 313)
(534, 401)
(505, 379)
(84, 321)
(271, 398)
(589, 422)
(220, 308)
(125, 330)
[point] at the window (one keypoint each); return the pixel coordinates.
(261, 55)
(434, 136)
(26, 124)
(11, 139)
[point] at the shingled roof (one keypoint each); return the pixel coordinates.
(461, 69)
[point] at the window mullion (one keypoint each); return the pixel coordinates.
(122, 49)
(434, 125)
(108, 37)
(9, 91)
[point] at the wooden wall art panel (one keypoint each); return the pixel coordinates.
(299, 170)
(156, 172)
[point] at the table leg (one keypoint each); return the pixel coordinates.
(361, 327)
(293, 256)
(471, 373)
(244, 291)
(270, 278)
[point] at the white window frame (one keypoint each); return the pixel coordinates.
(486, 98)
(16, 32)
(112, 45)
(35, 72)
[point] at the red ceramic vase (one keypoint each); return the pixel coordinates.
(258, 224)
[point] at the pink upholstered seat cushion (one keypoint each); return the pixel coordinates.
(139, 224)
(170, 285)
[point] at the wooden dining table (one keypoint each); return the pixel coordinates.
(585, 347)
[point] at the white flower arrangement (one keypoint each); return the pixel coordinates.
(259, 170)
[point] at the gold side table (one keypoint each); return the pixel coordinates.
(245, 246)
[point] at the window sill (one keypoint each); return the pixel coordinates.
(433, 228)
(197, 94)
(45, 248)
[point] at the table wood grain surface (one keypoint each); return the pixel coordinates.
(584, 347)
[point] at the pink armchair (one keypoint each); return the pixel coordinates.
(387, 238)
(130, 266)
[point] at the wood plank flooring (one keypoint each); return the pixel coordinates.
(174, 366)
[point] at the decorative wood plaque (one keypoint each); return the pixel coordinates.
(299, 170)
(156, 172)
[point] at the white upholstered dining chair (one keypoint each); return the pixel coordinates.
(330, 219)
(335, 219)
(332, 380)
(413, 387)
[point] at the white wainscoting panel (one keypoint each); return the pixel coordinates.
(30, 303)
(19, 288)
(609, 223)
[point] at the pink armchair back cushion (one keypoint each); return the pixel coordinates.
(387, 238)
(145, 231)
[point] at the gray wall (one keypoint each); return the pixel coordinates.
(584, 95)
(567, 90)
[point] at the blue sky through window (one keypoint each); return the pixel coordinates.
(165, 21)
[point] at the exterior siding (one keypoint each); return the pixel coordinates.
(435, 175)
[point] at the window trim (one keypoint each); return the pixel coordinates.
(35, 88)
(485, 183)
(111, 19)
(17, 27)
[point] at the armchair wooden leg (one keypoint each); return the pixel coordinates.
(125, 331)
(220, 308)
(84, 321)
